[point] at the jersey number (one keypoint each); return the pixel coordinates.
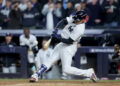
(70, 29)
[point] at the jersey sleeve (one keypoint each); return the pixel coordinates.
(37, 56)
(77, 33)
(21, 41)
(34, 41)
(69, 19)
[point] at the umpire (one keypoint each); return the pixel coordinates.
(8, 60)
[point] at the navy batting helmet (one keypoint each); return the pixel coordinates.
(79, 15)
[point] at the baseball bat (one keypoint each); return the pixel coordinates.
(49, 41)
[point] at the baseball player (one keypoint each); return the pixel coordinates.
(43, 54)
(30, 41)
(66, 49)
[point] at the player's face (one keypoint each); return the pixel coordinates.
(29, 5)
(58, 5)
(79, 22)
(83, 6)
(34, 1)
(24, 1)
(43, 45)
(8, 39)
(26, 33)
(69, 5)
(8, 3)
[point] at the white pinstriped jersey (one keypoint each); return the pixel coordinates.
(73, 31)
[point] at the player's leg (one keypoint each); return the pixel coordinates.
(64, 76)
(38, 62)
(31, 61)
(50, 61)
(66, 59)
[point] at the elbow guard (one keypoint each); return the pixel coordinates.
(67, 41)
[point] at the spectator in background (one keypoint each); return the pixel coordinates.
(115, 61)
(102, 2)
(60, 12)
(38, 7)
(1, 20)
(77, 7)
(15, 16)
(51, 18)
(42, 2)
(1, 4)
(83, 4)
(94, 15)
(30, 42)
(69, 9)
(30, 16)
(75, 1)
(102, 14)
(89, 1)
(8, 61)
(119, 13)
(111, 9)
(64, 3)
(5, 12)
(23, 5)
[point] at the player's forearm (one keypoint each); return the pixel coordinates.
(62, 23)
(59, 37)
(67, 41)
(65, 21)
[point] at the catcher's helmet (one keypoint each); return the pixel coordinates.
(79, 15)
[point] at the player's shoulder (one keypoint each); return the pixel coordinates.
(32, 36)
(40, 50)
(80, 26)
(21, 36)
(50, 49)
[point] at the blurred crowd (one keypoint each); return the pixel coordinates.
(37, 14)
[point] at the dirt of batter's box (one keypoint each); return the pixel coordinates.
(58, 83)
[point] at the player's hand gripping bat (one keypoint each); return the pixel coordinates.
(57, 26)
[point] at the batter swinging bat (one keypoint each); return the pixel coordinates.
(59, 23)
